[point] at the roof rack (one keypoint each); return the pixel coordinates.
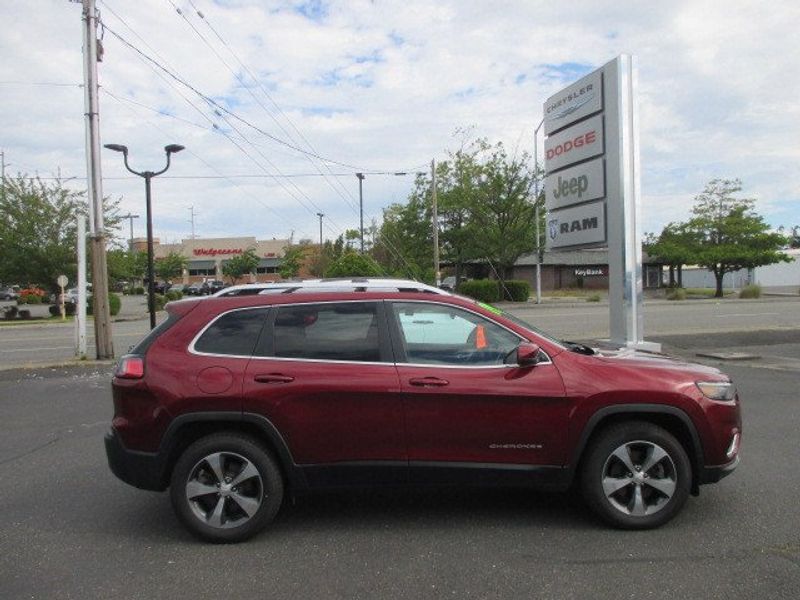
(356, 284)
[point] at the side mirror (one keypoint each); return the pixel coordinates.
(528, 354)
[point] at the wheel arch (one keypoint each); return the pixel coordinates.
(188, 428)
(670, 418)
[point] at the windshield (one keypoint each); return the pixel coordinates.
(517, 321)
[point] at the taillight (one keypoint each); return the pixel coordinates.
(130, 366)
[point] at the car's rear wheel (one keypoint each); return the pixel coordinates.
(226, 487)
(636, 475)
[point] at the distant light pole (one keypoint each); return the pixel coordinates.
(361, 208)
(320, 215)
(130, 218)
(148, 175)
(536, 211)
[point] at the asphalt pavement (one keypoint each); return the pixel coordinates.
(71, 530)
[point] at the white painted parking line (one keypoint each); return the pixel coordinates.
(772, 314)
(36, 349)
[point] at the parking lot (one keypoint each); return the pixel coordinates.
(73, 531)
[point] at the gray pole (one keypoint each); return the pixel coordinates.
(151, 284)
(320, 215)
(437, 275)
(361, 208)
(102, 316)
(80, 313)
(130, 218)
(191, 210)
(3, 163)
(536, 212)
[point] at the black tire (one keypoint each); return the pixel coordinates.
(237, 486)
(646, 495)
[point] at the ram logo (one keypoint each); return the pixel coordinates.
(552, 226)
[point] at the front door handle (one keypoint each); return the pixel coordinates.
(273, 378)
(428, 382)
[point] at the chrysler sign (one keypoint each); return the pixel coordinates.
(573, 103)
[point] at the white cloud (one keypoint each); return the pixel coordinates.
(385, 84)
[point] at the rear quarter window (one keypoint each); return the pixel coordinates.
(234, 333)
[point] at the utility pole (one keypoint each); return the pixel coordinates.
(320, 215)
(361, 208)
(130, 218)
(436, 273)
(536, 211)
(80, 313)
(104, 342)
(3, 166)
(191, 211)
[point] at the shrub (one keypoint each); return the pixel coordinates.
(174, 295)
(483, 290)
(750, 291)
(69, 309)
(138, 291)
(114, 304)
(593, 298)
(10, 312)
(160, 300)
(30, 299)
(25, 314)
(351, 264)
(676, 294)
(516, 290)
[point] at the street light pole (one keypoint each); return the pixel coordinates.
(148, 175)
(536, 211)
(130, 218)
(361, 208)
(320, 215)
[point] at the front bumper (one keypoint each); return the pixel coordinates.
(143, 470)
(717, 472)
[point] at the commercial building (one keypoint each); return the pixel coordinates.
(205, 257)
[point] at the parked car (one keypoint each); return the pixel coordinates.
(235, 402)
(8, 293)
(178, 287)
(196, 289)
(449, 283)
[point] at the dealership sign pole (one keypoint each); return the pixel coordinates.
(592, 184)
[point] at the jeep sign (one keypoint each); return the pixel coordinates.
(574, 185)
(577, 226)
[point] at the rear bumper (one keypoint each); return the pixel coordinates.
(143, 470)
(715, 473)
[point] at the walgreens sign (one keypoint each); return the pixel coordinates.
(216, 251)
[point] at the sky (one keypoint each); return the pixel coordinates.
(381, 87)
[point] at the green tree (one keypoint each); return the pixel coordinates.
(241, 265)
(170, 267)
(38, 230)
(675, 246)
(724, 234)
(293, 257)
(352, 264)
(405, 242)
(126, 265)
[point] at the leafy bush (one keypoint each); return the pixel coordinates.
(750, 291)
(352, 264)
(483, 290)
(30, 299)
(138, 291)
(174, 295)
(25, 314)
(593, 298)
(676, 294)
(516, 290)
(160, 300)
(69, 309)
(10, 312)
(114, 304)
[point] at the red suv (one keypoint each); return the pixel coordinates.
(266, 390)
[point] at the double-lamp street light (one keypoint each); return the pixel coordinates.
(148, 175)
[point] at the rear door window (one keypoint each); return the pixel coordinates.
(234, 333)
(346, 331)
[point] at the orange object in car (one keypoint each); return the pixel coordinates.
(480, 337)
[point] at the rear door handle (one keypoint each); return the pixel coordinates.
(428, 382)
(273, 378)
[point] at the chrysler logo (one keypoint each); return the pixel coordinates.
(571, 109)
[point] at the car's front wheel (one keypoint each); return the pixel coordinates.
(226, 487)
(636, 475)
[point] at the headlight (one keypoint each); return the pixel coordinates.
(723, 391)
